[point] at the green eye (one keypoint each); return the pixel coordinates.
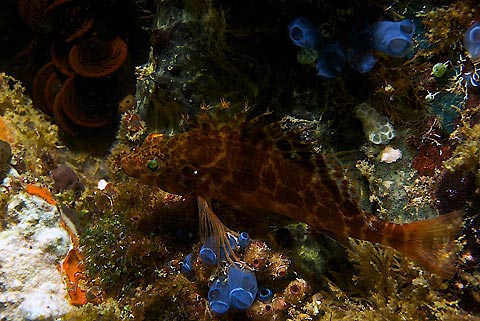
(152, 165)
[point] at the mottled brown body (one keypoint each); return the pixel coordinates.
(262, 168)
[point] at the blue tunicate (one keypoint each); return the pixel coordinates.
(243, 240)
(187, 264)
(331, 60)
(265, 295)
(360, 60)
(472, 41)
(360, 36)
(207, 253)
(393, 38)
(303, 33)
(359, 53)
(218, 297)
(242, 286)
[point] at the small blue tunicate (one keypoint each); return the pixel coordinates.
(265, 295)
(303, 33)
(360, 60)
(359, 54)
(360, 36)
(207, 253)
(243, 240)
(331, 60)
(393, 38)
(242, 286)
(187, 264)
(218, 297)
(472, 41)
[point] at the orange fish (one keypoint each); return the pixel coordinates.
(262, 167)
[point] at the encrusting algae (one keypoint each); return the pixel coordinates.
(262, 168)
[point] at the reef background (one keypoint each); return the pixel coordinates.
(127, 241)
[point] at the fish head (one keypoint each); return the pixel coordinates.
(161, 161)
(149, 161)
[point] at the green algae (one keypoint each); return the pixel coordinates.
(467, 153)
(107, 311)
(444, 28)
(386, 287)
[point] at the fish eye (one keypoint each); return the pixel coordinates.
(154, 165)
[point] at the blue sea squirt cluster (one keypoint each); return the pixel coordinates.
(242, 285)
(208, 253)
(238, 289)
(392, 38)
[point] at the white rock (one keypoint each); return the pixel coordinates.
(31, 287)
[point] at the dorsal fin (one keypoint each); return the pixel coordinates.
(223, 116)
(291, 146)
(272, 135)
(257, 131)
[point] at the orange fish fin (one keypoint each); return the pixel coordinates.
(211, 226)
(432, 243)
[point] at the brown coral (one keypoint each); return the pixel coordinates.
(33, 13)
(41, 90)
(430, 159)
(75, 105)
(59, 53)
(79, 47)
(98, 58)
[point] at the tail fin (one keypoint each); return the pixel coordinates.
(432, 244)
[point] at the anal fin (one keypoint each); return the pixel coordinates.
(211, 226)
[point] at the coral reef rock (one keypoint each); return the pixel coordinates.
(31, 246)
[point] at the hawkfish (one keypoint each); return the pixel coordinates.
(265, 169)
